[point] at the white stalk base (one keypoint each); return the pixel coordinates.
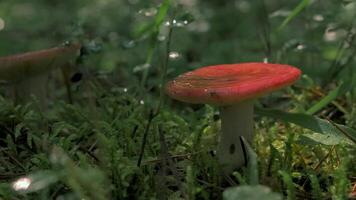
(236, 121)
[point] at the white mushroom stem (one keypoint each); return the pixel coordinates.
(31, 87)
(236, 121)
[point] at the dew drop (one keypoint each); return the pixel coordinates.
(318, 18)
(21, 184)
(300, 47)
(167, 23)
(161, 38)
(142, 67)
(173, 55)
(148, 12)
(180, 23)
(128, 44)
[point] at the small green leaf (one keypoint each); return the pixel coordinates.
(288, 181)
(18, 129)
(333, 131)
(257, 192)
(317, 138)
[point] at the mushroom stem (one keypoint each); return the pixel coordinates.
(236, 121)
(35, 86)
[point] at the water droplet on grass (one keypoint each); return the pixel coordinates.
(300, 47)
(173, 55)
(318, 18)
(148, 12)
(21, 184)
(129, 44)
(161, 38)
(142, 67)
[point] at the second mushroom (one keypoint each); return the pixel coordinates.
(232, 87)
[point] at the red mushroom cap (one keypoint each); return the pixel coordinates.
(17, 67)
(231, 83)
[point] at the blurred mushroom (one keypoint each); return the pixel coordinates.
(28, 72)
(233, 88)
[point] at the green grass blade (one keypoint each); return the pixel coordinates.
(287, 179)
(252, 165)
(297, 10)
(337, 133)
(153, 27)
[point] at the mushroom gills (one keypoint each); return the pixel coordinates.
(236, 121)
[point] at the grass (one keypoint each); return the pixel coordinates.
(92, 152)
(126, 140)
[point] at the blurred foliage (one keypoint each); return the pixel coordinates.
(90, 149)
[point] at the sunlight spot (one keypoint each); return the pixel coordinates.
(22, 184)
(2, 24)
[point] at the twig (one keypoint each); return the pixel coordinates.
(164, 69)
(14, 159)
(144, 139)
(210, 184)
(324, 158)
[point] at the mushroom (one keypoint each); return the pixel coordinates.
(28, 72)
(232, 87)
